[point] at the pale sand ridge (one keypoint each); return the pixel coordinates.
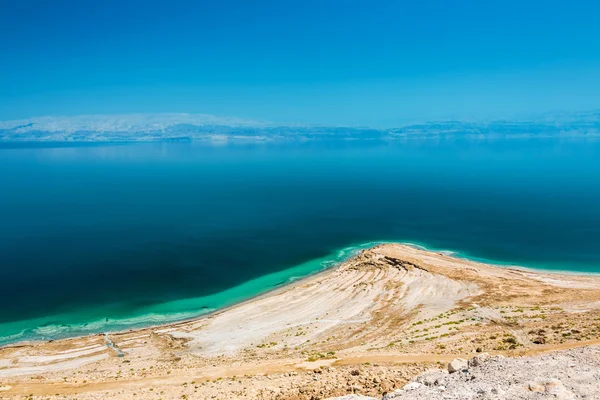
(367, 326)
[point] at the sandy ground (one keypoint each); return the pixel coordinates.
(367, 327)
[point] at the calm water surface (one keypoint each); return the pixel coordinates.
(97, 237)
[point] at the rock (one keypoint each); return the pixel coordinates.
(351, 397)
(552, 387)
(458, 364)
(411, 386)
(427, 380)
(497, 391)
(539, 340)
(395, 394)
(536, 387)
(478, 360)
(502, 378)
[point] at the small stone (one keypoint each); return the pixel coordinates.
(478, 360)
(427, 380)
(536, 387)
(395, 394)
(412, 386)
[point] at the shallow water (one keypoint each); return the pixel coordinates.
(97, 237)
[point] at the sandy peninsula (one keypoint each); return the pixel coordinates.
(365, 327)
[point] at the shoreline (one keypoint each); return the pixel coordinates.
(210, 314)
(356, 250)
(494, 263)
(391, 310)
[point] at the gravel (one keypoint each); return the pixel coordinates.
(566, 375)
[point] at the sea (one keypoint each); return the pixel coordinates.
(100, 237)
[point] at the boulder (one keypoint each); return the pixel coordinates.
(458, 364)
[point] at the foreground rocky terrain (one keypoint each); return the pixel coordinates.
(367, 327)
(572, 374)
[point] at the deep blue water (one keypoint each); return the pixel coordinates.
(94, 236)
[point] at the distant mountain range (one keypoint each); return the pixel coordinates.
(204, 127)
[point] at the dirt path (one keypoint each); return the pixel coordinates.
(557, 347)
(40, 389)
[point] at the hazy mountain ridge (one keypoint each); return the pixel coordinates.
(200, 127)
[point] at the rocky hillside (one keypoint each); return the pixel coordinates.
(572, 374)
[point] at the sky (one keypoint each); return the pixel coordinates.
(299, 61)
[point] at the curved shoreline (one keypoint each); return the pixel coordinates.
(290, 279)
(285, 278)
(390, 303)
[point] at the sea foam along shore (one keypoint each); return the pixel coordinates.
(88, 322)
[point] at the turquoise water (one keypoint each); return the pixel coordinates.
(111, 237)
(81, 323)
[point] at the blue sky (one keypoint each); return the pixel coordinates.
(335, 62)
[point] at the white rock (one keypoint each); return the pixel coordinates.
(458, 364)
(536, 387)
(412, 386)
(395, 394)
